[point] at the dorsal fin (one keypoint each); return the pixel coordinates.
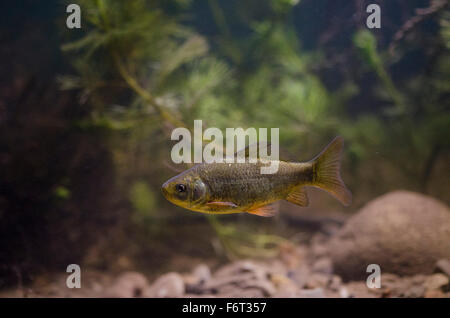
(253, 150)
(265, 210)
(298, 196)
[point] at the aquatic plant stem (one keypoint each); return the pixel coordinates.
(225, 234)
(144, 94)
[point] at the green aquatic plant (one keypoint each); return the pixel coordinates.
(143, 69)
(417, 116)
(143, 200)
(236, 243)
(135, 47)
(366, 43)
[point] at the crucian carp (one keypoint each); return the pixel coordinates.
(222, 188)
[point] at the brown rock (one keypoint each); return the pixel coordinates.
(300, 275)
(235, 267)
(317, 280)
(243, 293)
(401, 286)
(202, 273)
(199, 276)
(312, 293)
(319, 247)
(323, 265)
(292, 255)
(287, 293)
(169, 285)
(403, 232)
(335, 283)
(239, 278)
(358, 290)
(436, 282)
(443, 266)
(408, 286)
(285, 287)
(435, 294)
(301, 293)
(216, 283)
(127, 285)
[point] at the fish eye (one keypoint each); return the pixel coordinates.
(180, 188)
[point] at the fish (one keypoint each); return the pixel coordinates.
(239, 187)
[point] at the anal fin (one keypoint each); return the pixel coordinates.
(265, 210)
(298, 196)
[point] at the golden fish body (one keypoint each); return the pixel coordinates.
(221, 188)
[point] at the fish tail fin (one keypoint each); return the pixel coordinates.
(326, 171)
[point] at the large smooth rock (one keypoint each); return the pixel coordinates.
(403, 232)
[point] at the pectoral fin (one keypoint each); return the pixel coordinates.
(219, 204)
(266, 210)
(298, 196)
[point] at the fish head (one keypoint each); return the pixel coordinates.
(186, 190)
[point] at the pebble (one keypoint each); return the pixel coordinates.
(443, 266)
(127, 285)
(169, 285)
(317, 280)
(323, 265)
(312, 293)
(436, 282)
(202, 273)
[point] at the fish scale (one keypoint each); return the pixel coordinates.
(243, 183)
